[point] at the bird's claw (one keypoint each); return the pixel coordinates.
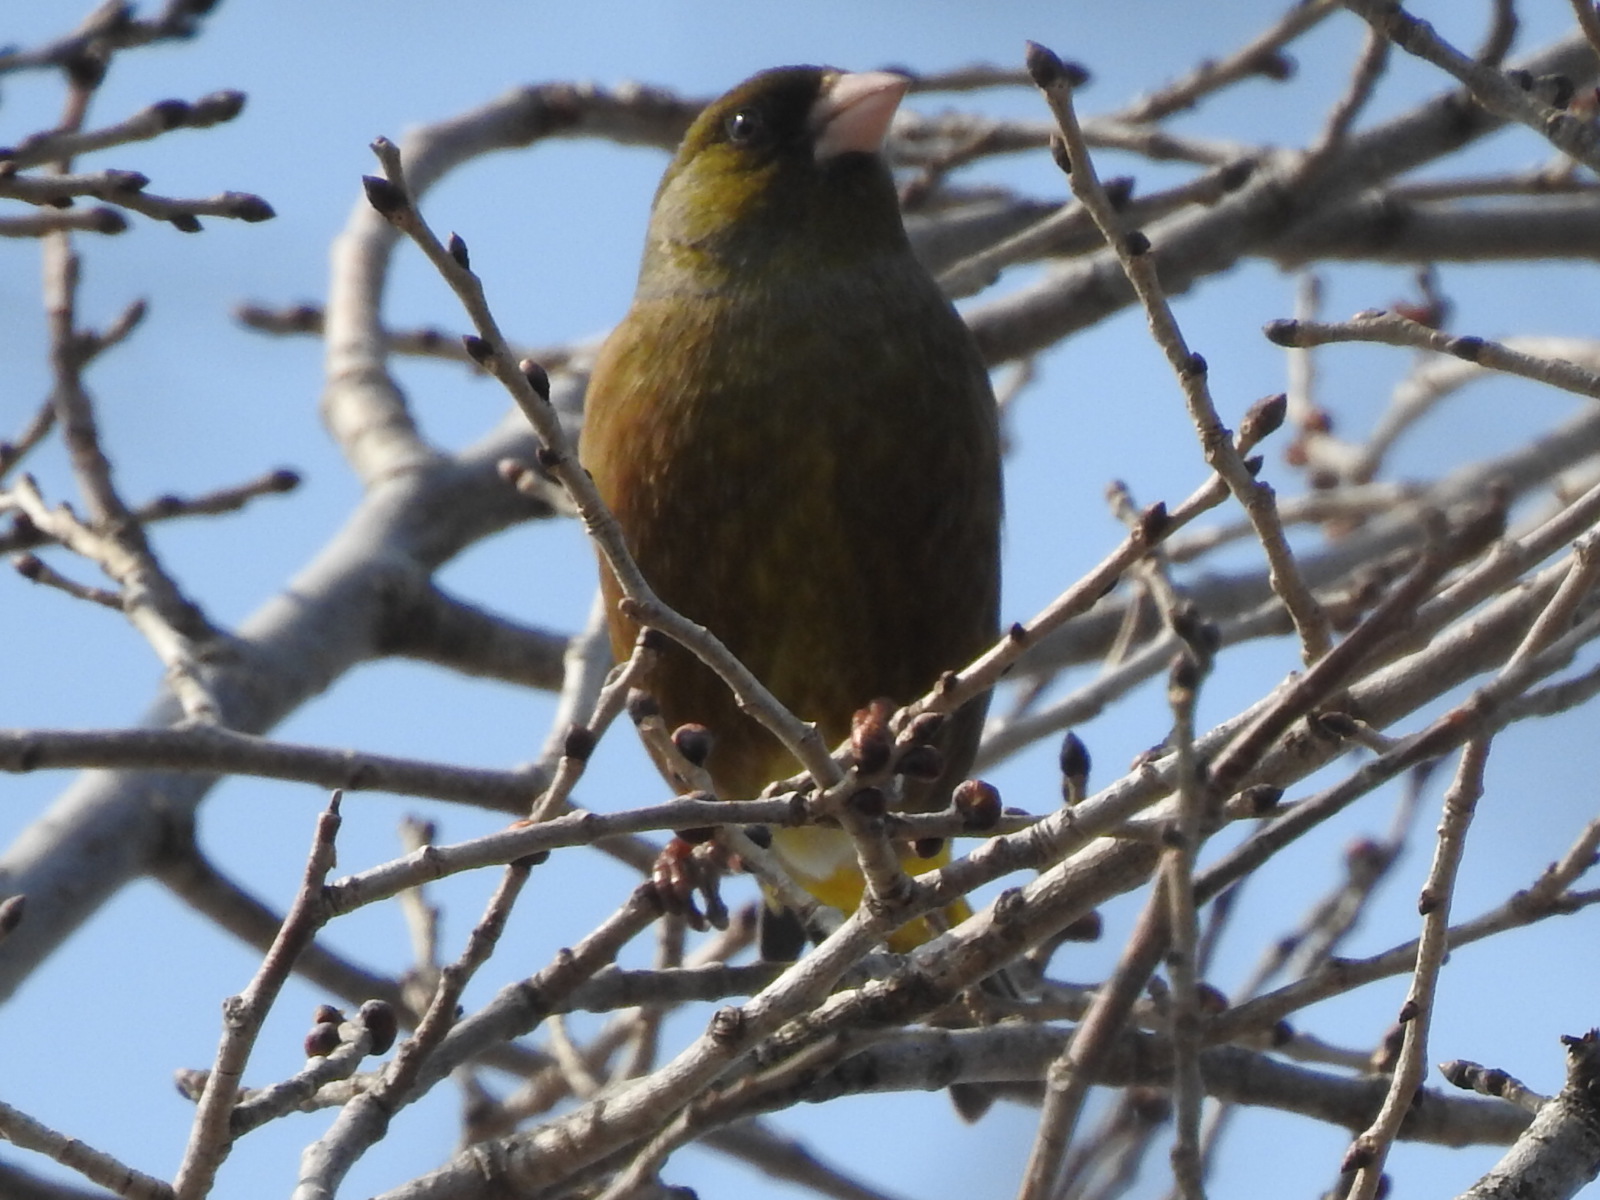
(685, 868)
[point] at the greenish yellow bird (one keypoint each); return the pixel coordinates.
(797, 434)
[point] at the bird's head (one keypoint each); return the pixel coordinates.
(786, 164)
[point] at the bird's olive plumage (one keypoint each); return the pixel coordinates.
(797, 435)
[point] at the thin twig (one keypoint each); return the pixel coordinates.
(1070, 1076)
(211, 1137)
(111, 26)
(1261, 56)
(148, 123)
(1588, 21)
(96, 1166)
(1370, 1149)
(1177, 871)
(1393, 330)
(1132, 250)
(1509, 97)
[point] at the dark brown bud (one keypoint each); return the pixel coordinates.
(185, 223)
(1184, 673)
(1058, 152)
(921, 762)
(127, 181)
(978, 803)
(457, 247)
(1468, 348)
(1211, 1000)
(1047, 69)
(478, 350)
(327, 1014)
(642, 705)
(1017, 634)
(381, 1023)
(1558, 90)
(1153, 523)
(1236, 174)
(1262, 798)
(547, 458)
(251, 209)
(760, 835)
(1136, 243)
(1200, 634)
(1264, 418)
(868, 802)
(699, 834)
(1359, 1155)
(1274, 65)
(529, 861)
(1074, 761)
(388, 200)
(1086, 928)
(578, 743)
(1010, 906)
(1118, 192)
(107, 220)
(870, 741)
(694, 742)
(655, 641)
(1388, 1052)
(648, 893)
(971, 1101)
(12, 910)
(87, 68)
(215, 107)
(727, 1026)
(1281, 332)
(322, 1041)
(1150, 1106)
(538, 378)
(172, 113)
(1196, 365)
(924, 728)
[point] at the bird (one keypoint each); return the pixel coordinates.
(797, 436)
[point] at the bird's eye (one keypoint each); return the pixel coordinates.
(745, 127)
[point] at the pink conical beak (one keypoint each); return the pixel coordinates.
(854, 111)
